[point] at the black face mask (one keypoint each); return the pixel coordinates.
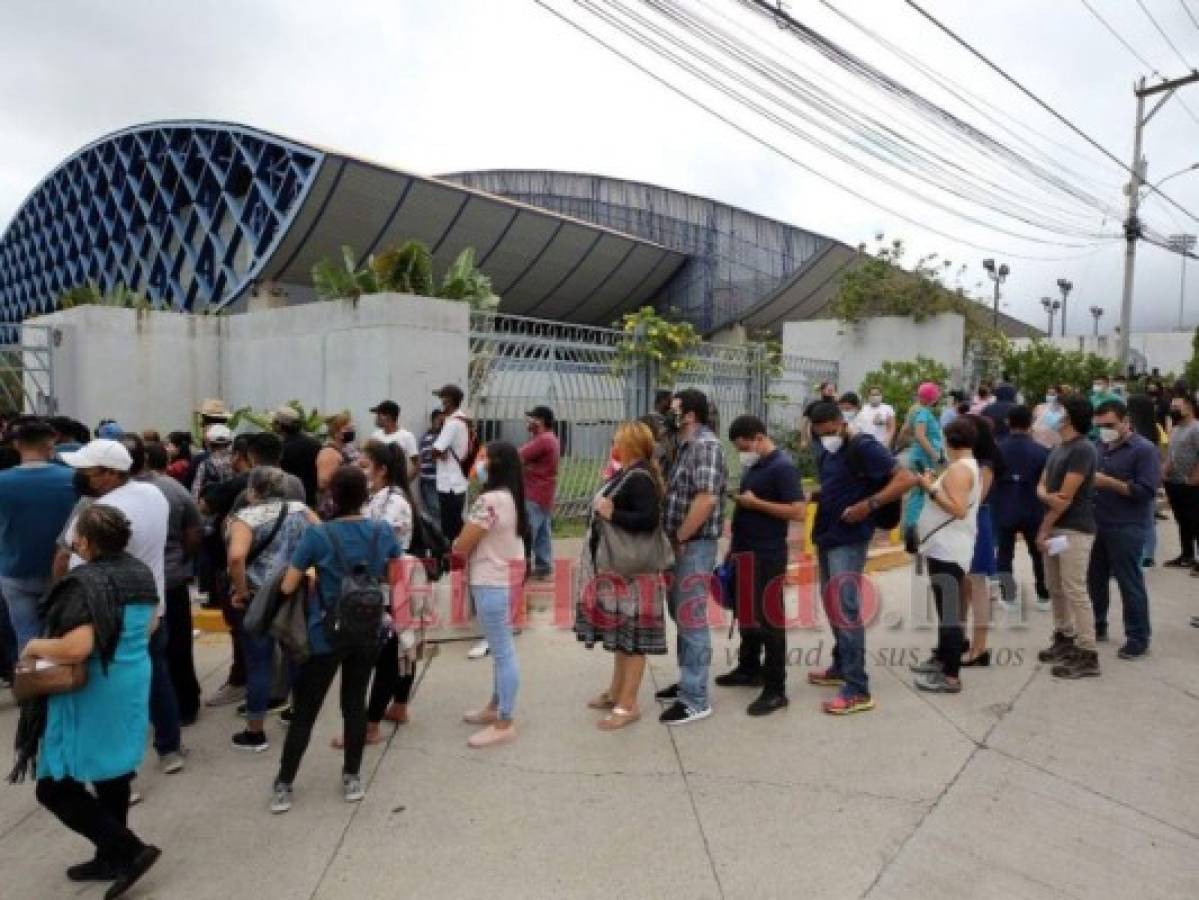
(348, 436)
(1176, 416)
(672, 421)
(83, 487)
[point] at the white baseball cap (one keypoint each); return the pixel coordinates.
(218, 434)
(100, 454)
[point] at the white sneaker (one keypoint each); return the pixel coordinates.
(479, 650)
(170, 763)
(352, 788)
(281, 798)
(1044, 605)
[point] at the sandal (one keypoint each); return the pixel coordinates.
(618, 719)
(601, 701)
(373, 736)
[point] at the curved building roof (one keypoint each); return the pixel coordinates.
(191, 213)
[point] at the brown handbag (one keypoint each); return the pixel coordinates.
(30, 680)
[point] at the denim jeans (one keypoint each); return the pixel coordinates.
(1151, 531)
(428, 496)
(260, 673)
(8, 642)
(844, 612)
(164, 709)
(689, 592)
(21, 596)
(1117, 554)
(543, 543)
(493, 605)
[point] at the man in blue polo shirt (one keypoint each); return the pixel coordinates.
(36, 498)
(770, 498)
(1128, 476)
(856, 478)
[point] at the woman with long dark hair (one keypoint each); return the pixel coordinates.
(493, 540)
(983, 564)
(179, 457)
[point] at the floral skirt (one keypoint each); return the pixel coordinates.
(625, 615)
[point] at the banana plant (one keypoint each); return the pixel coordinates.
(336, 282)
(463, 281)
(406, 269)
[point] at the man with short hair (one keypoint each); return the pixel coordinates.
(996, 411)
(36, 499)
(877, 418)
(1067, 490)
(388, 431)
(825, 393)
(218, 466)
(451, 449)
(1128, 476)
(693, 519)
(1181, 474)
(540, 457)
(1014, 502)
(428, 466)
(858, 475)
(769, 498)
(300, 450)
(851, 406)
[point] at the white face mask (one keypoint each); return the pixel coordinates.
(831, 442)
(748, 458)
(1109, 435)
(1099, 388)
(875, 400)
(1051, 399)
(847, 415)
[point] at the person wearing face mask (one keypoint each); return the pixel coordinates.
(693, 519)
(1127, 480)
(1181, 475)
(850, 405)
(338, 451)
(927, 444)
(876, 419)
(540, 455)
(856, 478)
(825, 393)
(1101, 391)
(1046, 418)
(769, 499)
(1017, 511)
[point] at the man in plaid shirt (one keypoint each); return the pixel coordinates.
(693, 519)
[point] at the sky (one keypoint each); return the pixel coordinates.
(444, 85)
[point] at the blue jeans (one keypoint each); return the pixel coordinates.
(689, 593)
(260, 673)
(493, 606)
(164, 708)
(1116, 553)
(1151, 531)
(428, 496)
(844, 612)
(543, 543)
(21, 596)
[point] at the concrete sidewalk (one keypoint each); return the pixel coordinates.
(1021, 786)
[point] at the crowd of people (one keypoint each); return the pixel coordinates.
(106, 538)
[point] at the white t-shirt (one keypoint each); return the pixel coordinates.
(453, 437)
(149, 513)
(401, 436)
(874, 421)
(391, 506)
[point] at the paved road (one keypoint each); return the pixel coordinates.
(1020, 787)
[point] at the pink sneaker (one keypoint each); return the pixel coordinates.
(491, 737)
(485, 716)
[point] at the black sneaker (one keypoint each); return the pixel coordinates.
(254, 741)
(1061, 647)
(1079, 664)
(680, 714)
(1133, 651)
(740, 678)
(1179, 562)
(1148, 562)
(132, 873)
(272, 706)
(285, 716)
(94, 869)
(1101, 634)
(766, 704)
(667, 694)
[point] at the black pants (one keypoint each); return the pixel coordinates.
(101, 819)
(946, 579)
(388, 684)
(232, 616)
(763, 639)
(1007, 552)
(451, 513)
(1184, 503)
(180, 661)
(308, 694)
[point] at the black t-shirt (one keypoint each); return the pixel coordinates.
(775, 479)
(299, 458)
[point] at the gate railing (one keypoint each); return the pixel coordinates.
(27, 369)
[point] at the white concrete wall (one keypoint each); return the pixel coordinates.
(1168, 351)
(150, 370)
(865, 346)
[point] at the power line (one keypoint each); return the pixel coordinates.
(1057, 115)
(741, 129)
(1165, 37)
(1190, 15)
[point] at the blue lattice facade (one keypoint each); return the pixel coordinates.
(185, 213)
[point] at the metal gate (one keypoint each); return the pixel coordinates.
(27, 369)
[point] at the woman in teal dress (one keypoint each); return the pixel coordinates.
(928, 447)
(101, 613)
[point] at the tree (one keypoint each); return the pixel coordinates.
(406, 269)
(653, 338)
(1040, 364)
(899, 380)
(1191, 372)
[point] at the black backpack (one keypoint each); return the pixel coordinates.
(888, 515)
(429, 544)
(357, 616)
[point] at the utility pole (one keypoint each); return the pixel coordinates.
(1182, 244)
(1050, 306)
(1096, 314)
(1132, 224)
(1065, 286)
(997, 275)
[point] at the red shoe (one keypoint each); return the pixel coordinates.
(829, 677)
(844, 706)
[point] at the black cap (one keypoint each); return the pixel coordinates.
(387, 408)
(452, 391)
(544, 413)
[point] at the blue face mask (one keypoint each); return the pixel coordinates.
(481, 472)
(1053, 418)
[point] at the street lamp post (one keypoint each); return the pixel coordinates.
(1097, 314)
(1051, 306)
(1182, 244)
(1065, 286)
(998, 275)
